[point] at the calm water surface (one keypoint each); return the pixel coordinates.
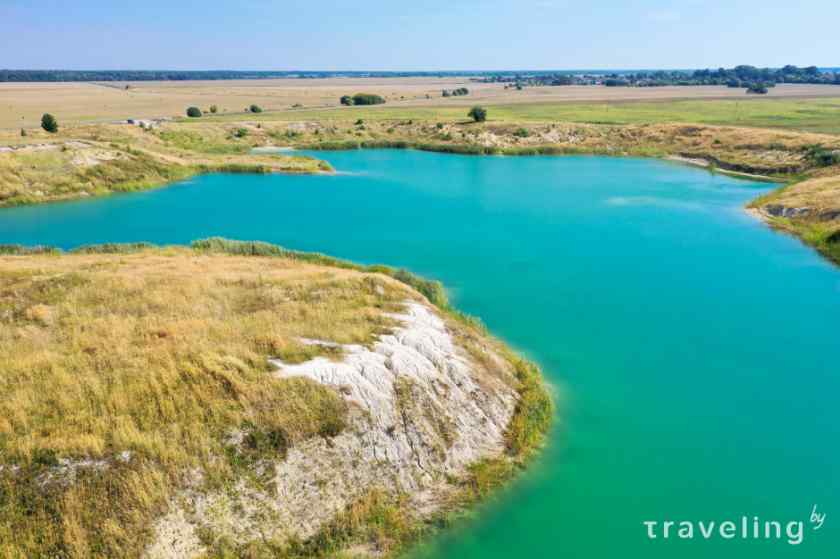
(695, 352)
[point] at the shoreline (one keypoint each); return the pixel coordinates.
(520, 438)
(704, 164)
(177, 151)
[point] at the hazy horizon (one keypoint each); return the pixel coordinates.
(432, 71)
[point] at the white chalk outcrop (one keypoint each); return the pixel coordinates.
(421, 411)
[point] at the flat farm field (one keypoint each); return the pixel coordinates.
(22, 104)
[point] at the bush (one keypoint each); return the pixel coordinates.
(49, 123)
(256, 109)
(522, 133)
(478, 114)
(194, 112)
(757, 88)
(821, 156)
(214, 109)
(23, 132)
(367, 99)
(240, 132)
(456, 92)
(346, 100)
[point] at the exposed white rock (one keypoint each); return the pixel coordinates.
(420, 411)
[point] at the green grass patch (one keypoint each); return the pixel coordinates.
(813, 115)
(201, 143)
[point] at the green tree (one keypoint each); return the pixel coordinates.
(346, 100)
(367, 99)
(193, 112)
(478, 114)
(49, 123)
(256, 109)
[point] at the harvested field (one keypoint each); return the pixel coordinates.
(22, 104)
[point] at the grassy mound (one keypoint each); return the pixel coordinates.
(127, 367)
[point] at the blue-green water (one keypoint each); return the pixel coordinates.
(696, 351)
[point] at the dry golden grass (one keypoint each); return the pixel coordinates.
(127, 370)
(809, 209)
(162, 354)
(750, 150)
(100, 159)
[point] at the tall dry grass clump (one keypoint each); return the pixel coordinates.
(122, 373)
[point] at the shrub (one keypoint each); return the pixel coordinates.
(23, 132)
(757, 88)
(214, 109)
(521, 133)
(194, 112)
(49, 123)
(367, 99)
(359, 122)
(821, 156)
(240, 132)
(256, 109)
(456, 92)
(478, 114)
(346, 100)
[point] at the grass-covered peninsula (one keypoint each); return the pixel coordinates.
(95, 160)
(158, 384)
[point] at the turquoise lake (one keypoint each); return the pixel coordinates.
(693, 350)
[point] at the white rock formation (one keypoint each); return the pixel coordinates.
(420, 410)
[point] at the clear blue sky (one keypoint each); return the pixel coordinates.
(419, 35)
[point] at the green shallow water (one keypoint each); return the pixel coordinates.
(695, 352)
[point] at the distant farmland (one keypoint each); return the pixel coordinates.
(22, 104)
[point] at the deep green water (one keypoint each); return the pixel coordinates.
(695, 351)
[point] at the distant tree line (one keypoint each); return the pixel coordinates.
(455, 92)
(749, 74)
(177, 75)
(739, 76)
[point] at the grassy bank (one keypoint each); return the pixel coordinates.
(100, 160)
(808, 209)
(96, 160)
(808, 115)
(127, 366)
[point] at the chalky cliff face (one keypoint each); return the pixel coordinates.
(421, 411)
